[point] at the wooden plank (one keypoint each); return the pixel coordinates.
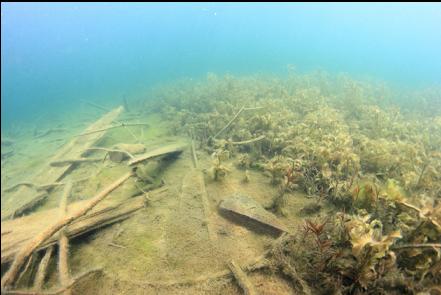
(175, 148)
(241, 278)
(48, 174)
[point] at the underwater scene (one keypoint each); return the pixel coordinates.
(221, 148)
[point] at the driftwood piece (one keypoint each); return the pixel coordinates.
(27, 269)
(42, 269)
(63, 242)
(48, 174)
(95, 105)
(63, 264)
(193, 154)
(38, 187)
(414, 246)
(230, 122)
(68, 162)
(247, 141)
(112, 127)
(49, 131)
(243, 108)
(176, 148)
(36, 201)
(24, 253)
(116, 245)
(241, 278)
(204, 196)
(206, 205)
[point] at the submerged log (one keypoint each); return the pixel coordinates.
(241, 278)
(63, 242)
(36, 201)
(42, 269)
(68, 162)
(47, 132)
(172, 149)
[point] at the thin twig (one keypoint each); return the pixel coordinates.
(243, 108)
(96, 105)
(42, 269)
(247, 141)
(112, 127)
(62, 163)
(411, 246)
(116, 245)
(230, 122)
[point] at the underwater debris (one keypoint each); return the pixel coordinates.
(171, 150)
(241, 278)
(68, 162)
(49, 131)
(329, 137)
(245, 206)
(42, 269)
(23, 254)
(74, 149)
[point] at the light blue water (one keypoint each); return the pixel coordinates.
(53, 55)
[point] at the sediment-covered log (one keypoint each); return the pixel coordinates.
(176, 148)
(241, 278)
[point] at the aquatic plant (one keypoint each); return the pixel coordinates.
(344, 142)
(218, 171)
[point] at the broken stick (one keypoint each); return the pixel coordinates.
(230, 122)
(162, 151)
(112, 127)
(42, 269)
(24, 253)
(241, 278)
(63, 243)
(243, 108)
(247, 141)
(62, 163)
(36, 201)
